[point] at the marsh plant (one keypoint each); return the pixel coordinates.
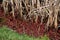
(46, 10)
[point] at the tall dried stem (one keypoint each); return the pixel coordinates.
(12, 8)
(20, 7)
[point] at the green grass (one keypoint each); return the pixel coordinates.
(8, 34)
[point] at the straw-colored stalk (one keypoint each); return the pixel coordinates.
(38, 6)
(55, 15)
(33, 3)
(12, 8)
(20, 7)
(37, 13)
(5, 6)
(17, 3)
(26, 4)
(46, 2)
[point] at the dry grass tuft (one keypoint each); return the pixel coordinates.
(31, 9)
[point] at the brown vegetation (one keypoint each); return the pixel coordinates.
(24, 13)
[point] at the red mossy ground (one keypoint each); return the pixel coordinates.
(33, 29)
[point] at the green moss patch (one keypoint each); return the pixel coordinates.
(8, 34)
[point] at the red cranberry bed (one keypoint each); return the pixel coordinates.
(32, 29)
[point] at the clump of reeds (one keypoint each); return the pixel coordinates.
(34, 8)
